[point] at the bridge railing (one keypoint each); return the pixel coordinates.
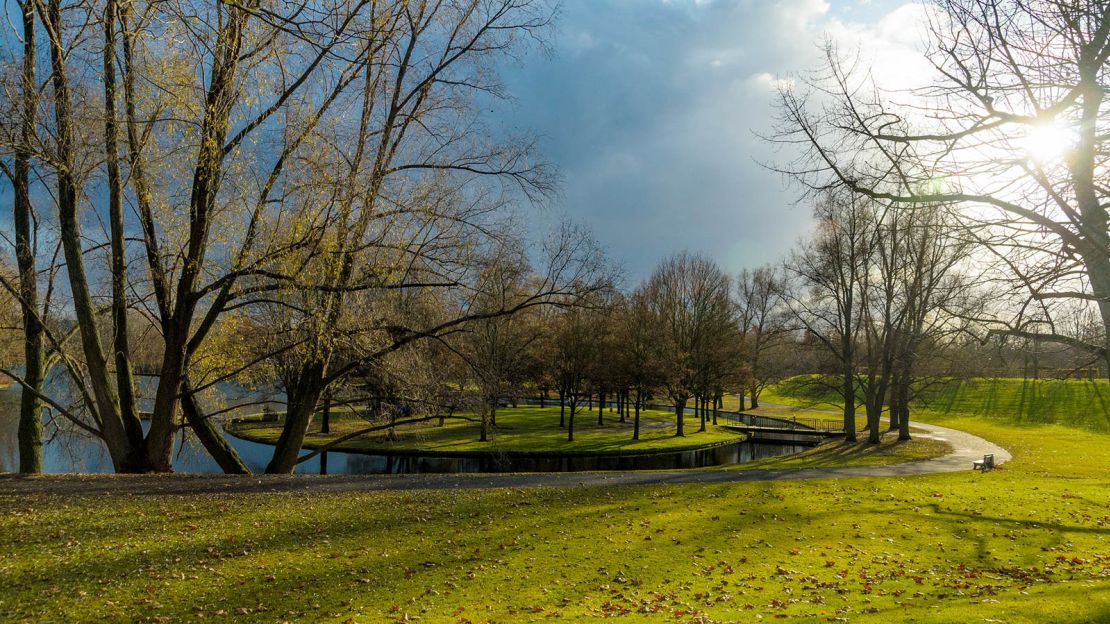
(824, 425)
(774, 422)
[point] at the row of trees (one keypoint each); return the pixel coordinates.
(876, 289)
(675, 336)
(1009, 131)
(289, 194)
(990, 171)
(306, 198)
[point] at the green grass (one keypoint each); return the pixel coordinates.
(518, 429)
(1026, 543)
(1015, 545)
(1075, 403)
(838, 454)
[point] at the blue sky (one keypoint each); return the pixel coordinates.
(650, 107)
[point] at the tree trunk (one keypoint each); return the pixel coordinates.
(570, 421)
(601, 407)
(124, 451)
(210, 436)
(903, 391)
(849, 392)
(704, 403)
(562, 409)
(125, 382)
(302, 403)
(30, 406)
(680, 417)
(636, 418)
(159, 446)
(219, 101)
(874, 421)
(391, 433)
(893, 407)
(325, 419)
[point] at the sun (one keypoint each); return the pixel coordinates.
(1047, 143)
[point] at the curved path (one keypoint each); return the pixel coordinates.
(965, 449)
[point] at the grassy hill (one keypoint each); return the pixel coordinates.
(1074, 403)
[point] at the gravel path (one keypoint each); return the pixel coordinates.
(965, 449)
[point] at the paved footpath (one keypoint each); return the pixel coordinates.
(965, 449)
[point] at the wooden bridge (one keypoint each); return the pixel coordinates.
(764, 426)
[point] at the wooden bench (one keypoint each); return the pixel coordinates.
(985, 464)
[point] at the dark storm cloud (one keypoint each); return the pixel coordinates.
(649, 107)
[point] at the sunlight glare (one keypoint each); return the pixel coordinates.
(1048, 142)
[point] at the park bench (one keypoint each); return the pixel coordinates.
(985, 464)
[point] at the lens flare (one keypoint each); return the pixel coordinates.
(1047, 143)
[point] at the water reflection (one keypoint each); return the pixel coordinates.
(68, 451)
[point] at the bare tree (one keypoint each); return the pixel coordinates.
(24, 94)
(689, 299)
(828, 271)
(1012, 129)
(639, 352)
(762, 315)
(496, 345)
(934, 299)
(573, 356)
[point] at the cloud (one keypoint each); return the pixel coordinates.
(650, 110)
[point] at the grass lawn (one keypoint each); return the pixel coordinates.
(1077, 403)
(1026, 543)
(518, 429)
(837, 453)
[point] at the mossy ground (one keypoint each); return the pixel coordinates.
(1028, 542)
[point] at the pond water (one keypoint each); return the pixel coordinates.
(76, 451)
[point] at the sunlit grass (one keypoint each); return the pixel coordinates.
(1016, 545)
(836, 453)
(1075, 403)
(518, 429)
(1026, 543)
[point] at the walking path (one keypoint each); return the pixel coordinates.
(965, 449)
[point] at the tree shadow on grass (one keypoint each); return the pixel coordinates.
(1019, 524)
(320, 558)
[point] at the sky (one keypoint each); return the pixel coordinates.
(651, 110)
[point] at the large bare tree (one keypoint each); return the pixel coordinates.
(1011, 129)
(826, 300)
